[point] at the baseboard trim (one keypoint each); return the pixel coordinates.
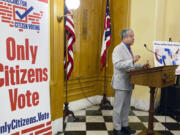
(57, 126)
(83, 103)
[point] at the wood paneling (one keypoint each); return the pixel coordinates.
(56, 59)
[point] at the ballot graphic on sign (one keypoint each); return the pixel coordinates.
(18, 15)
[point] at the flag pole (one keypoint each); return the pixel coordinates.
(105, 103)
(66, 111)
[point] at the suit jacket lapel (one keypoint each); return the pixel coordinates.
(126, 50)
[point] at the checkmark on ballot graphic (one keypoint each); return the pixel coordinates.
(22, 16)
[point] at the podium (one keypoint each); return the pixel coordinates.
(157, 77)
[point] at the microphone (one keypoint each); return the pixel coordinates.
(155, 54)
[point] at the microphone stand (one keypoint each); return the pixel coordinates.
(155, 54)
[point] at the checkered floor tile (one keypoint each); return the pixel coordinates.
(92, 121)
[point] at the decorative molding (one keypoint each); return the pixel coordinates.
(84, 103)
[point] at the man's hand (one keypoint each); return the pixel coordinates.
(136, 58)
(147, 65)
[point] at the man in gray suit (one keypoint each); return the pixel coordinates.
(123, 61)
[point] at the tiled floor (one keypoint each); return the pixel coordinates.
(93, 121)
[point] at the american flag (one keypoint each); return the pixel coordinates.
(106, 36)
(70, 33)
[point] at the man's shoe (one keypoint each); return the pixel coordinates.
(128, 130)
(118, 132)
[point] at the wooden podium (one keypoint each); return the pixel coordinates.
(157, 77)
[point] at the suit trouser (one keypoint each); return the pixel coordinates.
(121, 108)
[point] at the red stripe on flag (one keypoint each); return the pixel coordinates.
(45, 1)
(43, 130)
(70, 31)
(103, 60)
(32, 128)
(108, 23)
(68, 20)
(108, 43)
